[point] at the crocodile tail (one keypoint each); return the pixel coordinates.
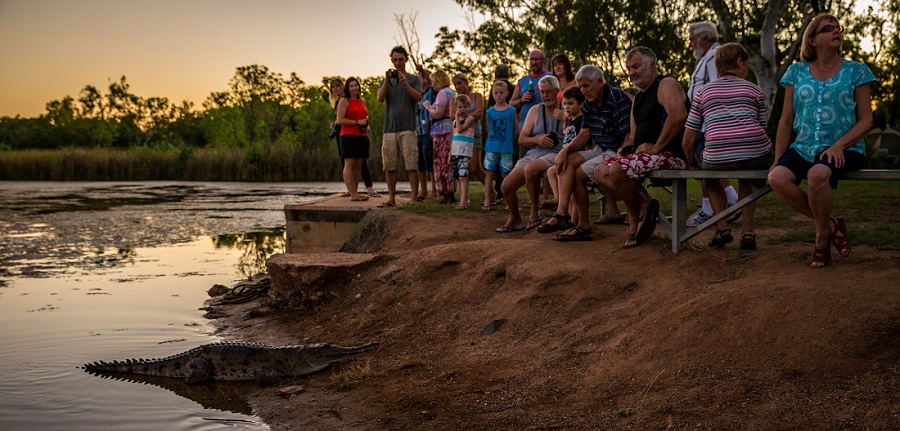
(130, 366)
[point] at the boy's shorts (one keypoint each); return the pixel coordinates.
(493, 160)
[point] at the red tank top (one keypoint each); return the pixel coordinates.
(356, 110)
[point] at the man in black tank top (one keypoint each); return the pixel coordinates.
(657, 122)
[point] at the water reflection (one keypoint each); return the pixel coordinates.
(255, 248)
(222, 396)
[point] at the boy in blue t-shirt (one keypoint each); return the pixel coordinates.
(502, 132)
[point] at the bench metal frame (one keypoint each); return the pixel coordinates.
(677, 228)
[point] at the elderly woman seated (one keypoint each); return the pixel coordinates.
(732, 113)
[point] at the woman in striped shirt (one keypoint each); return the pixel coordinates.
(733, 112)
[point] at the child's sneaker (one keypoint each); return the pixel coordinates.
(698, 218)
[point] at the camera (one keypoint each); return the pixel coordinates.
(554, 137)
(362, 128)
(334, 132)
(395, 74)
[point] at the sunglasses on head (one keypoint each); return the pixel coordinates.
(830, 28)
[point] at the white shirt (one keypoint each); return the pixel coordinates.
(704, 73)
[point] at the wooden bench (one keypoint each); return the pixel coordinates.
(676, 227)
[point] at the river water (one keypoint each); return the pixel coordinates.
(107, 271)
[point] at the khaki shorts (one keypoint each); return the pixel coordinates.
(395, 145)
(599, 156)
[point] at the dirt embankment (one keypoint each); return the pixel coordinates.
(595, 337)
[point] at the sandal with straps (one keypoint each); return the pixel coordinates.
(577, 234)
(562, 223)
(839, 236)
(820, 258)
(723, 236)
(748, 241)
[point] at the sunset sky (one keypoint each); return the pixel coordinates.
(186, 49)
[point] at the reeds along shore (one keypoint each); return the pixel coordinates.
(274, 162)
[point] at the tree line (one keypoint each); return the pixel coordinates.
(274, 128)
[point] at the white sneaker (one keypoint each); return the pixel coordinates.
(698, 218)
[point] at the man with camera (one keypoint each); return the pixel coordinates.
(542, 135)
(400, 91)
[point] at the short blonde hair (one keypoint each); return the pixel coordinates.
(807, 51)
(463, 100)
(440, 78)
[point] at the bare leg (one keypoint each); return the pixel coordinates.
(582, 200)
(511, 184)
(532, 183)
(488, 180)
(351, 174)
(745, 188)
(717, 199)
(613, 181)
(821, 200)
(413, 184)
(463, 193)
(391, 178)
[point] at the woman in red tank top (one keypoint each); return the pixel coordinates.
(353, 117)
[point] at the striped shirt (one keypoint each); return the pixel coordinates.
(610, 120)
(733, 113)
(462, 142)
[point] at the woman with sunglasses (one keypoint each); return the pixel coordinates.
(828, 104)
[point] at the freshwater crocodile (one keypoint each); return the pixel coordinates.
(235, 361)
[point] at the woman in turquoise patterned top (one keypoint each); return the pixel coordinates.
(828, 104)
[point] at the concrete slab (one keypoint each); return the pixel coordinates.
(323, 225)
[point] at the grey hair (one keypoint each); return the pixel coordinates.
(590, 72)
(704, 29)
(550, 79)
(646, 53)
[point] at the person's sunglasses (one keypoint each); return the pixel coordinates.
(830, 28)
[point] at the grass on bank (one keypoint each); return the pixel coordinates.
(872, 210)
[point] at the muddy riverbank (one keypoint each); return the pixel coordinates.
(593, 337)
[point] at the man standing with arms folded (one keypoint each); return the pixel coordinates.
(400, 91)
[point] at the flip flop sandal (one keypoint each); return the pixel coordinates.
(386, 205)
(578, 234)
(562, 223)
(535, 223)
(374, 194)
(360, 199)
(631, 242)
(839, 236)
(648, 225)
(345, 195)
(485, 207)
(509, 229)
